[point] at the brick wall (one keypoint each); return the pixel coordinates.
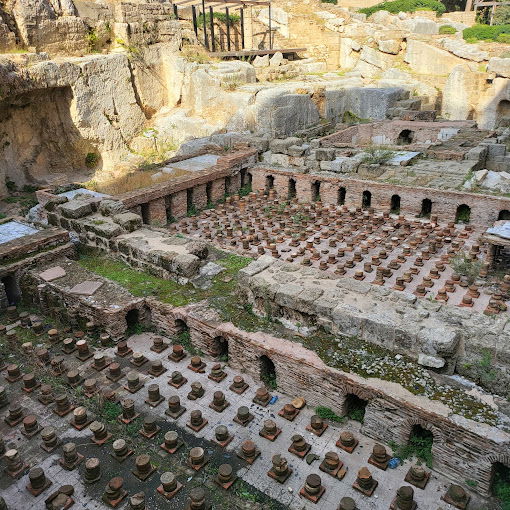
(484, 208)
(460, 445)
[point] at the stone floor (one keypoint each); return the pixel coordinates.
(401, 253)
(88, 496)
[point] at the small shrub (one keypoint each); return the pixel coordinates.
(503, 38)
(397, 6)
(467, 267)
(220, 17)
(447, 29)
(501, 15)
(419, 447)
(377, 155)
(485, 32)
(11, 185)
(357, 414)
(351, 118)
(91, 160)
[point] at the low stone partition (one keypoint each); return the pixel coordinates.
(484, 209)
(163, 202)
(28, 245)
(462, 449)
(435, 335)
(66, 290)
(108, 227)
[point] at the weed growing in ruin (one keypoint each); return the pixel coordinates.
(91, 160)
(328, 414)
(501, 487)
(375, 155)
(245, 190)
(418, 447)
(465, 266)
(351, 118)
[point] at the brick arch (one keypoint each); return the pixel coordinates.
(407, 426)
(359, 392)
(502, 458)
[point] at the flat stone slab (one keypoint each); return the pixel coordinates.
(14, 230)
(52, 274)
(86, 288)
(196, 164)
(82, 191)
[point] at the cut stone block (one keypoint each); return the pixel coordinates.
(86, 288)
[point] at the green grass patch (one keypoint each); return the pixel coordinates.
(328, 414)
(397, 6)
(142, 284)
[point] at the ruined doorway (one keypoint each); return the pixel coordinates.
(292, 189)
(395, 204)
(341, 196)
(504, 215)
(463, 214)
(316, 191)
(189, 201)
(243, 177)
(250, 181)
(420, 443)
(133, 321)
(500, 481)
(503, 113)
(220, 348)
(208, 193)
(144, 209)
(228, 185)
(269, 183)
(168, 209)
(11, 289)
(180, 326)
(354, 407)
(426, 208)
(267, 372)
(405, 137)
(366, 200)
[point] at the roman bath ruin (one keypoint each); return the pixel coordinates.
(254, 255)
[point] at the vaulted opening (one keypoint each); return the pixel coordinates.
(269, 183)
(405, 137)
(395, 204)
(316, 191)
(426, 208)
(463, 214)
(267, 372)
(341, 195)
(292, 189)
(366, 199)
(12, 290)
(354, 407)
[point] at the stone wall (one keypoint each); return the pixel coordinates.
(107, 307)
(425, 330)
(460, 446)
(484, 208)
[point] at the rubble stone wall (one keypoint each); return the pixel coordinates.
(460, 445)
(484, 208)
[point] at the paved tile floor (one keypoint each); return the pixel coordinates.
(86, 497)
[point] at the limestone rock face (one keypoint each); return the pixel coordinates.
(500, 66)
(427, 59)
(464, 50)
(48, 27)
(391, 46)
(71, 109)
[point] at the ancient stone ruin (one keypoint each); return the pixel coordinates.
(254, 255)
